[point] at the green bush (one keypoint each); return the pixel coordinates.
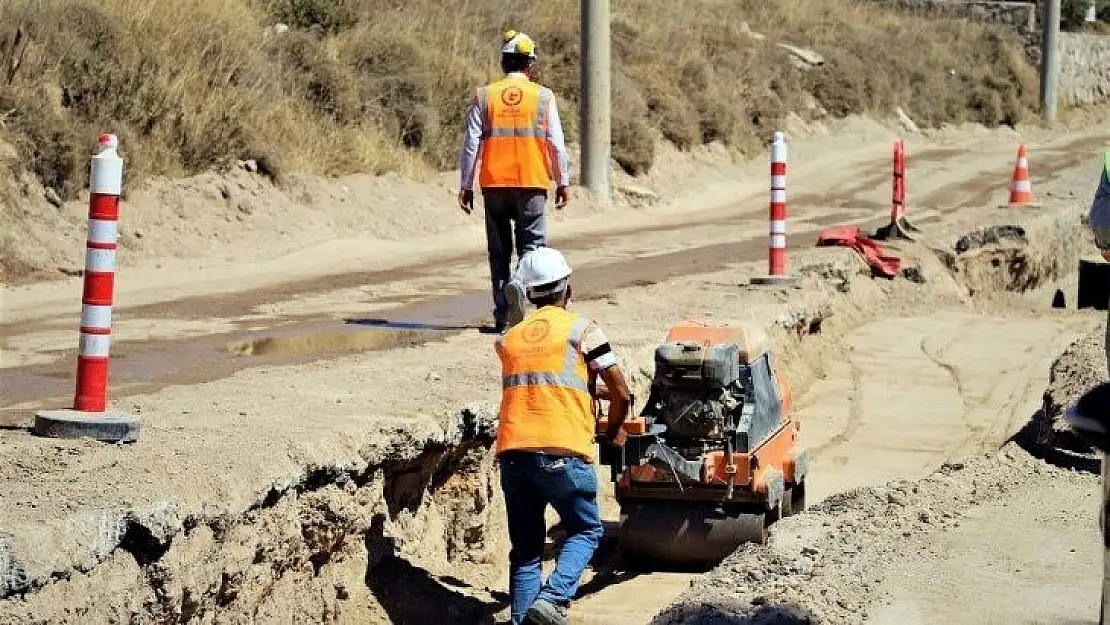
(331, 16)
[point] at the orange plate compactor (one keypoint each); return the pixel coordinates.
(712, 460)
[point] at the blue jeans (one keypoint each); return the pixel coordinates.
(531, 481)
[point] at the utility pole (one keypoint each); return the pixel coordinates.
(596, 107)
(1050, 59)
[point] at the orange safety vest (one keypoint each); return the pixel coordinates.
(515, 150)
(545, 402)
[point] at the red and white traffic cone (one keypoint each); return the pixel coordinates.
(90, 416)
(776, 258)
(1021, 186)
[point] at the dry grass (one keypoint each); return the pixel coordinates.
(377, 85)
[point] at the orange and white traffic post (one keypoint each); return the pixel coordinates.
(776, 257)
(90, 416)
(1021, 186)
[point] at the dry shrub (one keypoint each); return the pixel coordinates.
(380, 85)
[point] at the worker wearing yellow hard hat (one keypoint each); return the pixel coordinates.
(545, 436)
(515, 124)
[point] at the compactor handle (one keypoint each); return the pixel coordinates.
(617, 465)
(614, 454)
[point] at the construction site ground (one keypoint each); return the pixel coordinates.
(299, 462)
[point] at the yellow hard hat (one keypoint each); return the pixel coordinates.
(513, 42)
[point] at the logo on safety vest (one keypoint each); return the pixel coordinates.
(535, 331)
(512, 96)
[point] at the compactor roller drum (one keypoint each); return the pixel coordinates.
(712, 459)
(689, 537)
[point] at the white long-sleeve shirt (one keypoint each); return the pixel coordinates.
(472, 139)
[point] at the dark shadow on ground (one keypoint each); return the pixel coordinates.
(1028, 439)
(417, 325)
(412, 596)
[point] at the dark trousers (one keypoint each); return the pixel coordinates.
(506, 208)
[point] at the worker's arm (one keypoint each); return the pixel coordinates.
(602, 361)
(619, 400)
(468, 155)
(560, 156)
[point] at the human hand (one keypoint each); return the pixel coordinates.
(1106, 254)
(466, 200)
(562, 197)
(618, 439)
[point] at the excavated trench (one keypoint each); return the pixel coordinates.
(416, 533)
(339, 542)
(898, 548)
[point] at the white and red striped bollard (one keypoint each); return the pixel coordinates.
(105, 186)
(90, 416)
(776, 259)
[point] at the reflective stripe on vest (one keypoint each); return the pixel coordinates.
(545, 401)
(515, 150)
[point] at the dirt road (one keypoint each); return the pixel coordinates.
(163, 338)
(269, 431)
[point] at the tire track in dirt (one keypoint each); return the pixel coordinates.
(855, 413)
(973, 430)
(977, 190)
(918, 391)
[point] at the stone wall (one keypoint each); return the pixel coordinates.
(1084, 69)
(1021, 16)
(1084, 58)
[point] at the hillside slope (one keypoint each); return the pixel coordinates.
(379, 86)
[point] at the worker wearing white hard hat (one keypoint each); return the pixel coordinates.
(545, 436)
(515, 124)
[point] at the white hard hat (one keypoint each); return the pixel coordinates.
(513, 42)
(541, 266)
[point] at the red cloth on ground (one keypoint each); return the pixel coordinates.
(872, 252)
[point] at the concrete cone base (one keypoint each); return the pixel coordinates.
(108, 427)
(780, 281)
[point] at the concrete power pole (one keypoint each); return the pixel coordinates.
(1050, 60)
(596, 108)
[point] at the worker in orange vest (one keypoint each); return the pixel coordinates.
(516, 123)
(546, 435)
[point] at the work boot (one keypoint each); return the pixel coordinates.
(543, 612)
(514, 297)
